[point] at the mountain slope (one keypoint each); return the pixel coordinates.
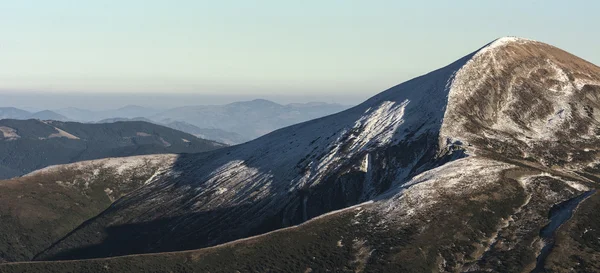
(475, 167)
(48, 115)
(217, 135)
(40, 208)
(77, 114)
(132, 111)
(482, 226)
(27, 145)
(13, 113)
(113, 120)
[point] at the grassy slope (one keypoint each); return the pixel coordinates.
(349, 241)
(36, 211)
(332, 243)
(578, 244)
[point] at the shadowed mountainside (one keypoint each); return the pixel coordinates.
(38, 209)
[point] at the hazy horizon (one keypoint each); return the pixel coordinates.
(98, 101)
(163, 54)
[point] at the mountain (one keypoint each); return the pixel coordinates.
(489, 164)
(48, 115)
(250, 119)
(218, 135)
(112, 120)
(78, 114)
(132, 111)
(13, 113)
(27, 145)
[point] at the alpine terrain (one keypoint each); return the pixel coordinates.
(490, 164)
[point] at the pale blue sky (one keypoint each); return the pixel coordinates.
(339, 48)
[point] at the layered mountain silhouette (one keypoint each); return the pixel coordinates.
(489, 164)
(15, 113)
(27, 145)
(48, 115)
(232, 123)
(214, 134)
(249, 119)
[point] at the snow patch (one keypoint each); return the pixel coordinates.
(229, 179)
(378, 127)
(364, 166)
(573, 184)
(9, 133)
(576, 185)
(501, 42)
(454, 178)
(164, 142)
(149, 180)
(375, 129)
(120, 164)
(62, 133)
(580, 83)
(561, 75)
(344, 209)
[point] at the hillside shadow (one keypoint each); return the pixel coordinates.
(203, 229)
(185, 232)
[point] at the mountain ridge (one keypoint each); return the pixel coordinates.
(12, 112)
(48, 115)
(27, 145)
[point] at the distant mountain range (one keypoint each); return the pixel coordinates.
(218, 135)
(48, 115)
(15, 113)
(232, 123)
(208, 133)
(249, 118)
(27, 145)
